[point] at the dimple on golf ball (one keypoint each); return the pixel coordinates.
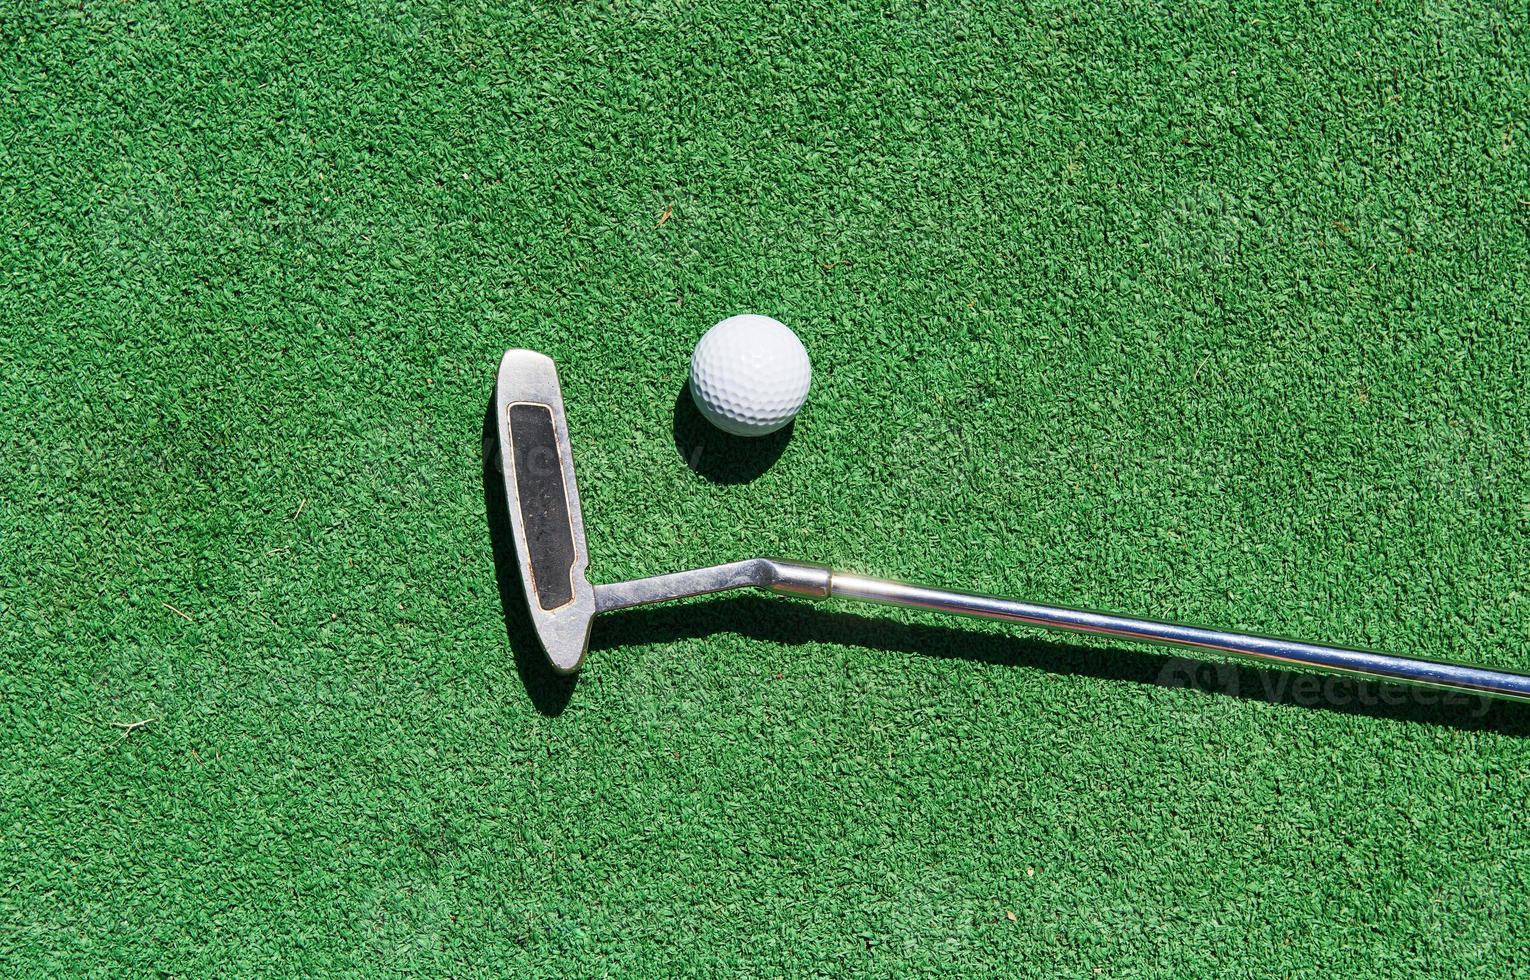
(750, 375)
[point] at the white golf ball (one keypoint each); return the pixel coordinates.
(750, 375)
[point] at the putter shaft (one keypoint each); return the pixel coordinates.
(819, 582)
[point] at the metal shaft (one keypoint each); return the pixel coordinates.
(816, 581)
(1288, 653)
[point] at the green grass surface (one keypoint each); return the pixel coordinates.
(1176, 310)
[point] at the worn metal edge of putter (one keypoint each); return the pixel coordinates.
(550, 547)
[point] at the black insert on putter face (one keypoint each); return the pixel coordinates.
(544, 504)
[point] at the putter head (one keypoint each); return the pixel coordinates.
(544, 506)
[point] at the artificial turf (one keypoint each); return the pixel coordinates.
(1209, 312)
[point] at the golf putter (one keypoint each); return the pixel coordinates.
(550, 547)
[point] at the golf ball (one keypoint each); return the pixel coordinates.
(750, 375)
